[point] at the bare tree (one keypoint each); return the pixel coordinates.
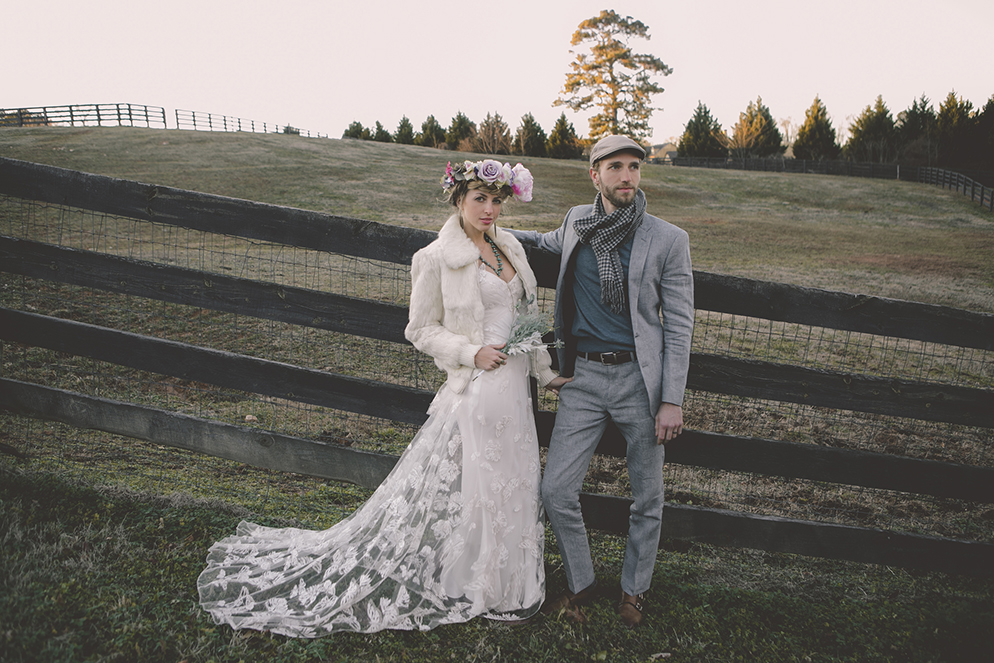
(493, 136)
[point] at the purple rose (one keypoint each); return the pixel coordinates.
(489, 170)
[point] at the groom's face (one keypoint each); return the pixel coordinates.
(617, 177)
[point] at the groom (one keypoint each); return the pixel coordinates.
(625, 313)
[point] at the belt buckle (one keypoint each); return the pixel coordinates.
(609, 358)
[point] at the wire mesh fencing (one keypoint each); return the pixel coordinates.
(102, 457)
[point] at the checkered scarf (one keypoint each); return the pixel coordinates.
(605, 233)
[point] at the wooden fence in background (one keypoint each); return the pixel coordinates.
(137, 115)
(947, 179)
(891, 171)
(85, 115)
(713, 373)
(200, 121)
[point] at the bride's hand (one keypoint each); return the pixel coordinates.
(557, 383)
(490, 357)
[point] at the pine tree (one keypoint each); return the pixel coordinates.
(461, 133)
(917, 134)
(955, 125)
(432, 134)
(530, 139)
(613, 78)
(983, 141)
(356, 130)
(563, 143)
(381, 135)
(816, 139)
(756, 133)
(872, 135)
(493, 136)
(702, 136)
(405, 132)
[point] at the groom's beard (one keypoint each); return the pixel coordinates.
(620, 199)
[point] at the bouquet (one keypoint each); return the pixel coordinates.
(527, 331)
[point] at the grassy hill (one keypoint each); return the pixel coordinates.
(878, 237)
(99, 573)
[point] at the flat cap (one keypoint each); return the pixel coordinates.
(610, 144)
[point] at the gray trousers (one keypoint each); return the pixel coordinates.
(597, 395)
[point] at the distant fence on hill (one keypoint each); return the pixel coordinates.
(85, 115)
(199, 121)
(947, 179)
(887, 171)
(824, 423)
(138, 115)
(977, 191)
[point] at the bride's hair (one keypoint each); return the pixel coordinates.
(458, 191)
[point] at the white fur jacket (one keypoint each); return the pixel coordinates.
(446, 315)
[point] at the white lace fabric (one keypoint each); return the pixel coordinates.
(454, 532)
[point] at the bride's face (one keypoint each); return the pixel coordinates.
(479, 209)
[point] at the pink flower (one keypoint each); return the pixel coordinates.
(522, 183)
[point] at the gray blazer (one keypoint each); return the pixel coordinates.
(661, 296)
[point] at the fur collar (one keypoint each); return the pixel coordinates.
(459, 250)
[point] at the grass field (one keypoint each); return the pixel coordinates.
(92, 572)
(878, 237)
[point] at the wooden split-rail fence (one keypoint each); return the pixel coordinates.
(967, 406)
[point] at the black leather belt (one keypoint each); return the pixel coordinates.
(608, 358)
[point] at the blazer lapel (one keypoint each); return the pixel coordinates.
(636, 265)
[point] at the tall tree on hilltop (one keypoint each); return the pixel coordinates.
(563, 143)
(612, 77)
(461, 133)
(493, 136)
(955, 124)
(356, 130)
(872, 135)
(816, 138)
(756, 133)
(530, 139)
(432, 134)
(702, 136)
(983, 143)
(381, 135)
(405, 132)
(917, 134)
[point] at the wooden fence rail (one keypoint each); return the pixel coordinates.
(718, 374)
(948, 179)
(889, 171)
(201, 121)
(85, 115)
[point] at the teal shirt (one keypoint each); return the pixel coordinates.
(596, 327)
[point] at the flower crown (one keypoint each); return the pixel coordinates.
(518, 179)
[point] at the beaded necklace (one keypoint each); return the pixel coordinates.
(500, 263)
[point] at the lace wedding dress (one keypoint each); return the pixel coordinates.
(454, 532)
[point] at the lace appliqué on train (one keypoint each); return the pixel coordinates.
(454, 532)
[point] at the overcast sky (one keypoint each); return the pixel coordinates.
(321, 64)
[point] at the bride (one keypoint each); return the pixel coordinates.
(456, 530)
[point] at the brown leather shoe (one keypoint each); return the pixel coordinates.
(569, 604)
(630, 608)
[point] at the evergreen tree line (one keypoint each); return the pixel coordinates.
(957, 136)
(492, 136)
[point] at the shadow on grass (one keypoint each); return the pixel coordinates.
(96, 573)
